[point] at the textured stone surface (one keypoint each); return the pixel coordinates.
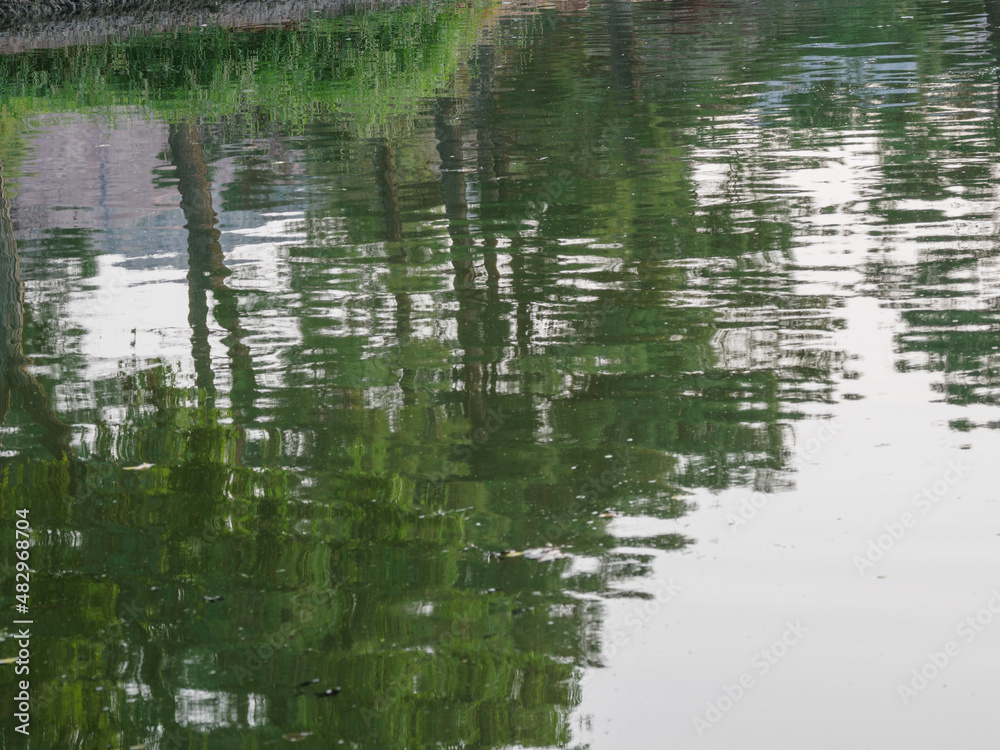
(33, 24)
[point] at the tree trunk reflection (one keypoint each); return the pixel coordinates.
(207, 271)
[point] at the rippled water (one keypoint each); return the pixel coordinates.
(610, 375)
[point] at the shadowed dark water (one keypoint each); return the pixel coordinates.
(503, 376)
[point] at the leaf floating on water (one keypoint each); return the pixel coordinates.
(328, 692)
(10, 660)
(296, 736)
(140, 467)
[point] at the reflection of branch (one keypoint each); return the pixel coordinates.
(151, 672)
(14, 373)
(207, 270)
(449, 136)
(493, 167)
(388, 189)
(624, 65)
(494, 145)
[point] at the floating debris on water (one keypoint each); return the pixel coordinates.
(541, 554)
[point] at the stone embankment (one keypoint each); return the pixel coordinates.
(35, 24)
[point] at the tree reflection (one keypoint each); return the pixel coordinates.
(207, 271)
(387, 185)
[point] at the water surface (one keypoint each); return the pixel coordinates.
(525, 373)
